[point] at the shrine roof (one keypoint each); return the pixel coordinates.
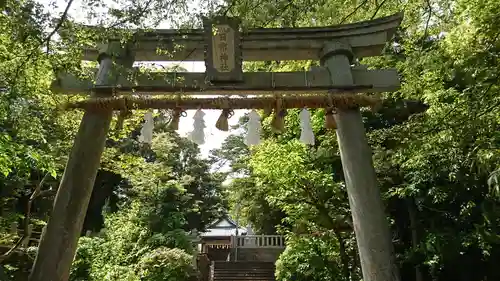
(223, 227)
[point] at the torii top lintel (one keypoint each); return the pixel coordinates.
(366, 39)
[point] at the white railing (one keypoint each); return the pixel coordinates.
(258, 241)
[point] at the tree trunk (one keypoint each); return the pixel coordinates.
(414, 235)
(344, 257)
(355, 272)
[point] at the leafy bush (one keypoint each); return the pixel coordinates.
(164, 264)
(119, 273)
(127, 250)
(309, 259)
(171, 239)
(94, 260)
(86, 253)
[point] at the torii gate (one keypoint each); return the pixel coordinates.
(223, 47)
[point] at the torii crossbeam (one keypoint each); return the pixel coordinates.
(223, 47)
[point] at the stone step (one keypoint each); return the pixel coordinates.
(247, 278)
(243, 265)
(236, 269)
(243, 279)
(265, 274)
(243, 271)
(243, 274)
(243, 268)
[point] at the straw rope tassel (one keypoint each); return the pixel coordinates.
(306, 134)
(330, 123)
(278, 122)
(147, 128)
(198, 135)
(253, 129)
(122, 115)
(176, 116)
(222, 123)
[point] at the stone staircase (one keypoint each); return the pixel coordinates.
(256, 254)
(242, 271)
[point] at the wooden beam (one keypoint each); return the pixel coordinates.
(366, 38)
(365, 81)
(311, 101)
(240, 90)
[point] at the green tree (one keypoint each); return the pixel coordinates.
(435, 142)
(36, 137)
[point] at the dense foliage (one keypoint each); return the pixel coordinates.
(147, 200)
(436, 145)
(309, 258)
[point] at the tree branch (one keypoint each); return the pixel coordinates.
(58, 26)
(229, 7)
(344, 257)
(45, 41)
(426, 30)
(141, 13)
(378, 9)
(353, 12)
(34, 195)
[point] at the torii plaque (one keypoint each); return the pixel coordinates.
(223, 60)
(335, 47)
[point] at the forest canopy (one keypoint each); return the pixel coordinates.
(435, 142)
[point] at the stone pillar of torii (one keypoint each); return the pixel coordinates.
(339, 87)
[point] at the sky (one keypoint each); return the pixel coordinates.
(213, 137)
